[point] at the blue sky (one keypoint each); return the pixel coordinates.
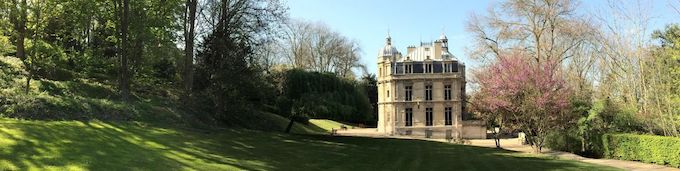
(410, 22)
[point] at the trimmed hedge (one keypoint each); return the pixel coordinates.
(646, 148)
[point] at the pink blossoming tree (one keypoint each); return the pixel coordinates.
(525, 95)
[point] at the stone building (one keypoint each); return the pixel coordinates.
(422, 93)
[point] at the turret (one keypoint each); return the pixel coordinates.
(445, 42)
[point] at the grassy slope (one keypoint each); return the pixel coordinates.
(94, 145)
(97, 145)
(74, 99)
(85, 99)
(326, 124)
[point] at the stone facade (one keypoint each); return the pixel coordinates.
(422, 93)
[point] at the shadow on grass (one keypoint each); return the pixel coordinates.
(126, 146)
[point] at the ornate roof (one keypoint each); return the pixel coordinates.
(388, 50)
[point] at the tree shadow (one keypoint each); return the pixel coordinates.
(127, 146)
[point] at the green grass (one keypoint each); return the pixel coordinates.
(326, 124)
(164, 141)
(75, 145)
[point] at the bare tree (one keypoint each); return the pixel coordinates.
(675, 5)
(316, 47)
(547, 29)
(629, 72)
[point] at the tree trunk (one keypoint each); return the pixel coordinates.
(28, 82)
(583, 145)
(124, 77)
(496, 137)
(537, 149)
(290, 125)
(20, 27)
(29, 62)
(190, 19)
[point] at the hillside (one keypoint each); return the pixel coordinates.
(86, 99)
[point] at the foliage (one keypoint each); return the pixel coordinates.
(225, 75)
(533, 97)
(77, 99)
(663, 76)
(585, 137)
(565, 140)
(370, 85)
(5, 46)
(325, 95)
(646, 148)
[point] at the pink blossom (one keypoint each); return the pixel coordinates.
(523, 88)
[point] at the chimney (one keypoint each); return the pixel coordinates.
(410, 49)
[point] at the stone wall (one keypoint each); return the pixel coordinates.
(473, 129)
(468, 130)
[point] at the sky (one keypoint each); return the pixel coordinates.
(410, 22)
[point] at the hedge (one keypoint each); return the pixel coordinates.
(646, 148)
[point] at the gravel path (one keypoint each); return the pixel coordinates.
(515, 145)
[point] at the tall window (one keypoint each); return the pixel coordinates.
(450, 67)
(428, 92)
(408, 118)
(408, 68)
(428, 68)
(408, 90)
(447, 116)
(428, 116)
(447, 92)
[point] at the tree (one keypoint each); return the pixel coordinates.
(663, 77)
(224, 62)
(370, 83)
(18, 17)
(533, 97)
(636, 70)
(124, 77)
(492, 118)
(189, 36)
(546, 30)
(326, 95)
(315, 47)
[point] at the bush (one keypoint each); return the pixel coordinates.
(323, 95)
(646, 148)
(566, 140)
(6, 47)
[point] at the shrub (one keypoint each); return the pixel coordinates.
(645, 148)
(6, 46)
(565, 140)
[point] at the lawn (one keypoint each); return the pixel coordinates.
(74, 145)
(326, 124)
